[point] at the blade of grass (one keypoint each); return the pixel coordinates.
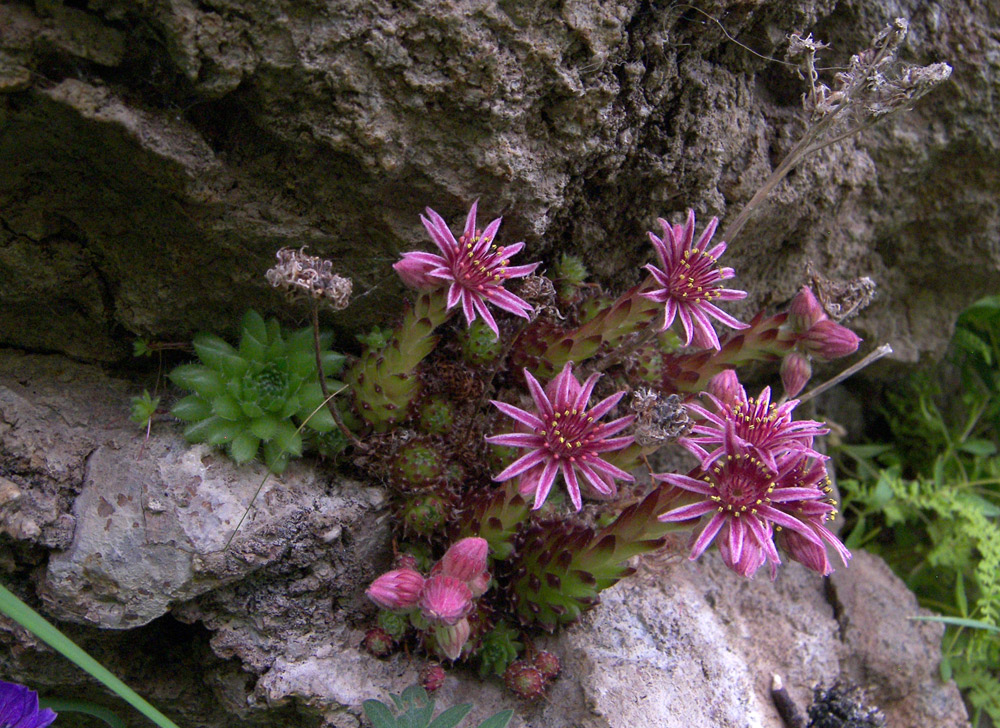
(960, 622)
(45, 631)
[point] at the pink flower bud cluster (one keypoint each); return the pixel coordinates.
(817, 337)
(443, 600)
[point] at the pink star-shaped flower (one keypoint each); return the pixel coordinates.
(564, 437)
(749, 502)
(473, 267)
(690, 278)
(768, 430)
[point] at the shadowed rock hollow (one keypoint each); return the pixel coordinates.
(155, 155)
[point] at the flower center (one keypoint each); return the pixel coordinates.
(695, 278)
(741, 483)
(479, 264)
(754, 422)
(567, 434)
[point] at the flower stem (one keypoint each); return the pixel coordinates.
(334, 412)
(384, 381)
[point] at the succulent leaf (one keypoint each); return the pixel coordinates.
(191, 409)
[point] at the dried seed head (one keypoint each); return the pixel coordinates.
(302, 275)
(540, 292)
(658, 419)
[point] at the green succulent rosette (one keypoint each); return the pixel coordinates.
(257, 396)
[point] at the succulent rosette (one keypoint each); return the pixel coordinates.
(255, 396)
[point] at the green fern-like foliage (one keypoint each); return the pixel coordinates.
(930, 502)
(259, 395)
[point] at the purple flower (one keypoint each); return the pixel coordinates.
(474, 267)
(758, 425)
(690, 277)
(564, 437)
(748, 502)
(19, 708)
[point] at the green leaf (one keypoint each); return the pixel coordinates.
(143, 408)
(217, 354)
(226, 407)
(960, 622)
(252, 348)
(191, 409)
(243, 447)
(333, 362)
(264, 427)
(302, 363)
(43, 630)
(200, 431)
(276, 458)
(287, 438)
(420, 716)
(199, 379)
(253, 326)
(960, 600)
(451, 717)
(985, 448)
(221, 431)
(319, 420)
(499, 720)
(945, 668)
(379, 714)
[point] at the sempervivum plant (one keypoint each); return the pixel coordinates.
(256, 396)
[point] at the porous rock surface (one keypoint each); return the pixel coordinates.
(154, 155)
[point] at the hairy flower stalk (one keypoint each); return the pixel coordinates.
(384, 381)
(560, 569)
(564, 438)
(767, 339)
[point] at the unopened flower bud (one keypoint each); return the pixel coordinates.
(451, 638)
(445, 599)
(827, 340)
(414, 273)
(396, 589)
(466, 559)
(799, 548)
(795, 372)
(804, 311)
(725, 386)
